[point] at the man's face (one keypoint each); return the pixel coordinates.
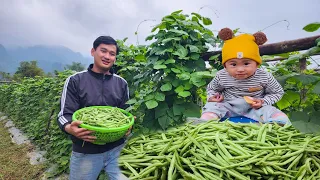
(104, 57)
(241, 68)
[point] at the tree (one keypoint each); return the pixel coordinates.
(28, 69)
(75, 66)
(4, 76)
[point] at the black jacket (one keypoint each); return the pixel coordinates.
(88, 88)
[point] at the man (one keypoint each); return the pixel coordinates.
(96, 86)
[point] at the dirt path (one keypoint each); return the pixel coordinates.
(14, 163)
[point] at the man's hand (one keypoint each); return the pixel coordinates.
(78, 132)
(256, 103)
(129, 130)
(216, 98)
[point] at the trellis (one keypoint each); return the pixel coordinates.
(281, 47)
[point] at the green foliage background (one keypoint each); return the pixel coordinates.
(167, 81)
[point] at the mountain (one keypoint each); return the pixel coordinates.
(49, 58)
(6, 62)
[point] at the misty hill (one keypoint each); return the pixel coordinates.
(6, 62)
(49, 58)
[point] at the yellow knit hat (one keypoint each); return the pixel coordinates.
(242, 46)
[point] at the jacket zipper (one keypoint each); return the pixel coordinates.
(102, 96)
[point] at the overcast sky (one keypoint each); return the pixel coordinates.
(76, 23)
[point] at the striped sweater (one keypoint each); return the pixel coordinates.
(261, 85)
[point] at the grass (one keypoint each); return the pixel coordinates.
(14, 163)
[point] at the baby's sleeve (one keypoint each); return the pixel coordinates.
(214, 86)
(273, 91)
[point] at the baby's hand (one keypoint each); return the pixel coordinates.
(216, 98)
(257, 103)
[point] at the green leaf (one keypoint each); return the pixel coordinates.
(181, 51)
(306, 79)
(206, 21)
(215, 57)
(197, 15)
(304, 127)
(193, 48)
(195, 19)
(149, 120)
(288, 99)
(150, 37)
(162, 50)
(149, 97)
(160, 26)
(159, 62)
(171, 39)
(184, 76)
(195, 56)
(299, 116)
(187, 86)
(204, 74)
(184, 93)
(167, 71)
(175, 83)
(166, 87)
(177, 12)
(312, 27)
(304, 122)
(170, 113)
(199, 65)
(175, 70)
(169, 19)
(170, 61)
(160, 66)
(164, 122)
(314, 117)
(178, 32)
(151, 104)
(140, 57)
(200, 83)
(178, 109)
(131, 101)
(283, 79)
(153, 59)
(197, 81)
(318, 42)
(191, 110)
(179, 89)
(161, 110)
(160, 96)
(316, 89)
(193, 36)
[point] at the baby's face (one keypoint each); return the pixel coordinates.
(241, 68)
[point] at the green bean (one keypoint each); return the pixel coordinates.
(131, 169)
(103, 117)
(223, 149)
(215, 150)
(249, 161)
(171, 167)
(261, 132)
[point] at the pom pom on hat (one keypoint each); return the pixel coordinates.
(260, 38)
(225, 34)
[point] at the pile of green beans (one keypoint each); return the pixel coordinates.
(221, 151)
(103, 117)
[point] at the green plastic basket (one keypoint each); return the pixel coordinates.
(105, 135)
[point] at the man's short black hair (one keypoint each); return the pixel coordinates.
(105, 40)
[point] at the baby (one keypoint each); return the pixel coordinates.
(241, 77)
